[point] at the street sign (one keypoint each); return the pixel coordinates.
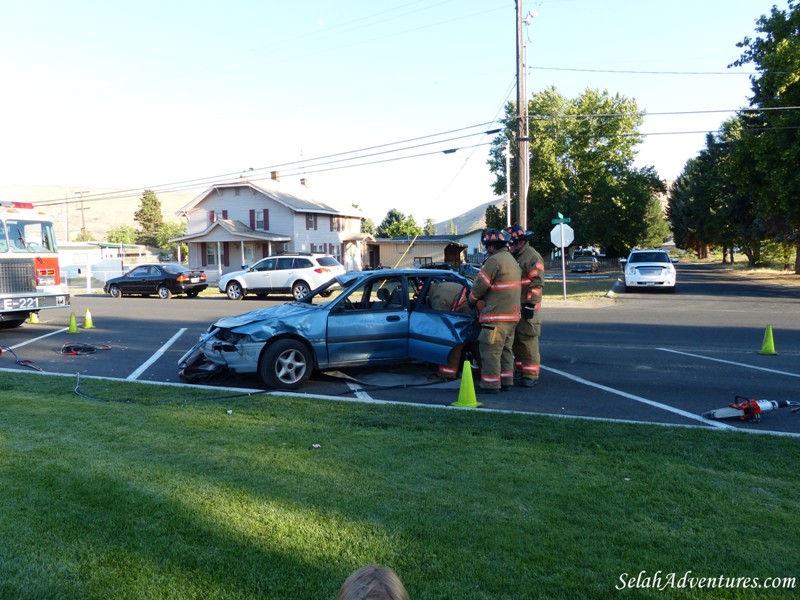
(562, 235)
(560, 220)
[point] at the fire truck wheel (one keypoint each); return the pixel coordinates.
(10, 324)
(115, 292)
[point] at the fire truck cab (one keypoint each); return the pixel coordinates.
(30, 279)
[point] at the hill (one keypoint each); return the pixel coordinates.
(469, 221)
(99, 211)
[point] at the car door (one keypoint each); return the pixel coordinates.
(433, 334)
(136, 281)
(283, 275)
(366, 326)
(259, 276)
(153, 279)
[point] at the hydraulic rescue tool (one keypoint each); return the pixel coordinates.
(749, 409)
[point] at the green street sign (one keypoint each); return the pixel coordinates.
(561, 220)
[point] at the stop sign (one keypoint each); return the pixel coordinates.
(556, 232)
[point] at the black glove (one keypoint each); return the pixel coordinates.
(527, 311)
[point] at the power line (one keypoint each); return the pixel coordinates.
(634, 72)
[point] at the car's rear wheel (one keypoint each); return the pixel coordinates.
(234, 290)
(285, 365)
(115, 292)
(300, 290)
(164, 293)
(192, 294)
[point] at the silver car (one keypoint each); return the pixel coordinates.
(359, 318)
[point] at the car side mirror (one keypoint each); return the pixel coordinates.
(676, 259)
(622, 261)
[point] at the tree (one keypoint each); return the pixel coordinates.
(406, 227)
(392, 217)
(581, 164)
(495, 218)
(430, 227)
(124, 234)
(149, 218)
(170, 231)
(771, 132)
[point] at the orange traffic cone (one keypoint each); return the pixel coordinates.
(466, 393)
(768, 346)
(87, 320)
(73, 327)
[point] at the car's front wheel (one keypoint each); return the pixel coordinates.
(164, 293)
(285, 365)
(234, 290)
(115, 292)
(300, 290)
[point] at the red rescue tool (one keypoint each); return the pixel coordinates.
(750, 410)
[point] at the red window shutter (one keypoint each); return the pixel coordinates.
(224, 214)
(225, 254)
(252, 218)
(211, 216)
(266, 219)
(203, 250)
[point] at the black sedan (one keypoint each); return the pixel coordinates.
(163, 280)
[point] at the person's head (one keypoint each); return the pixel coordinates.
(373, 583)
(519, 237)
(494, 239)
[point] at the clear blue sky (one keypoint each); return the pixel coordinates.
(100, 94)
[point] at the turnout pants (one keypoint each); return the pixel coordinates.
(526, 347)
(497, 359)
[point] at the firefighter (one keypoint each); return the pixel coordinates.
(449, 296)
(529, 328)
(496, 294)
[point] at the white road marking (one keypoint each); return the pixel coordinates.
(135, 375)
(41, 337)
(728, 362)
(359, 393)
(653, 403)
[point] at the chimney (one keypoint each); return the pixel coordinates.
(275, 175)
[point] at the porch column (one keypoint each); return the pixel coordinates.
(219, 260)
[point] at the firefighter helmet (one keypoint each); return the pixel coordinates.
(517, 233)
(495, 237)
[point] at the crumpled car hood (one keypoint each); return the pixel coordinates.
(262, 316)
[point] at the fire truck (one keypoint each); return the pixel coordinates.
(30, 279)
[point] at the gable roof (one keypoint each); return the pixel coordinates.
(297, 198)
(237, 229)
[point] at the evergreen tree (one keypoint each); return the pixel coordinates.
(149, 218)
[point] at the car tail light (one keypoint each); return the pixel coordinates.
(322, 270)
(182, 278)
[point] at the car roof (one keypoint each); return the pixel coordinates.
(351, 275)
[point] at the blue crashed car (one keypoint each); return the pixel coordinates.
(356, 319)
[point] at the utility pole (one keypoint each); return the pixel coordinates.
(83, 214)
(522, 126)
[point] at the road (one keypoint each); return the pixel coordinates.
(649, 357)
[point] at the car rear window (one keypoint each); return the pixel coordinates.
(649, 257)
(328, 261)
(173, 268)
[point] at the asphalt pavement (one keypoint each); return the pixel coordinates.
(639, 357)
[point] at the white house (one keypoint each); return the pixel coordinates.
(239, 222)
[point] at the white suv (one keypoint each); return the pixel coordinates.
(650, 268)
(297, 274)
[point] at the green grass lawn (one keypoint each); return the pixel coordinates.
(145, 491)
